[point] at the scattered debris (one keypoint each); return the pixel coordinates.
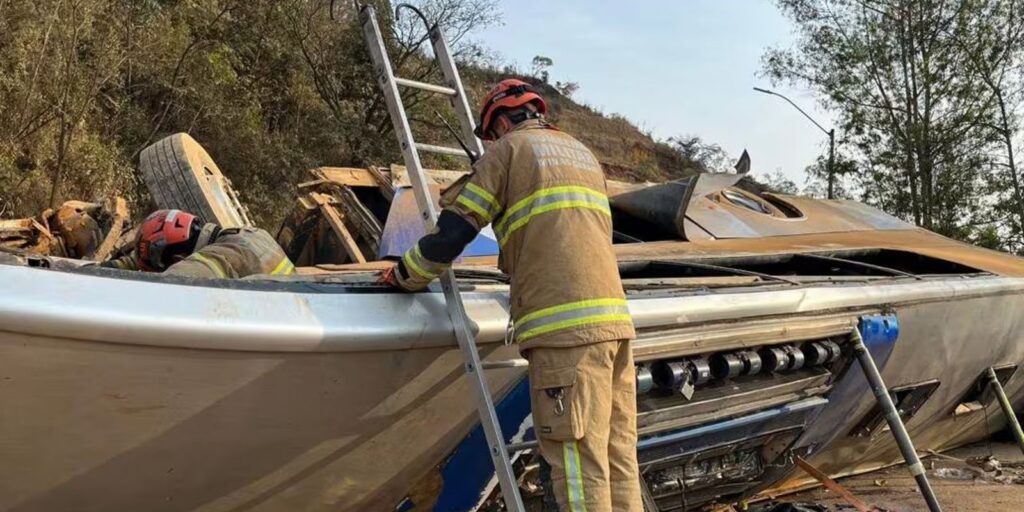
(341, 210)
(803, 507)
(833, 486)
(27, 235)
(988, 463)
(983, 468)
(77, 229)
(953, 474)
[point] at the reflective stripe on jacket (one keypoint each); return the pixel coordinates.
(126, 262)
(236, 254)
(544, 192)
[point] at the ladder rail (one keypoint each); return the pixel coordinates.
(485, 403)
(456, 309)
(396, 110)
(460, 103)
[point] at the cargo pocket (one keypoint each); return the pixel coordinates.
(556, 407)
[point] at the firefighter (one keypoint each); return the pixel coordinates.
(544, 194)
(178, 243)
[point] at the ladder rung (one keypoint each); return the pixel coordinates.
(521, 447)
(511, 363)
(447, 91)
(444, 150)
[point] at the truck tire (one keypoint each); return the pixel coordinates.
(180, 175)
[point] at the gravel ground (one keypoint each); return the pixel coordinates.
(960, 487)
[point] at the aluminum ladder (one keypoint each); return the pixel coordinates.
(410, 153)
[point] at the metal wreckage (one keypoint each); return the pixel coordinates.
(325, 391)
(756, 314)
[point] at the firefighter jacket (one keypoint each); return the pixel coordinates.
(544, 193)
(236, 253)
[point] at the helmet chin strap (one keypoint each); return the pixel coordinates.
(524, 115)
(207, 235)
(515, 119)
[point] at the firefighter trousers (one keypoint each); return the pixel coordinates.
(584, 414)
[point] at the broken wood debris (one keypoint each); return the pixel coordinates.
(77, 229)
(26, 235)
(334, 218)
(339, 219)
(341, 212)
(117, 209)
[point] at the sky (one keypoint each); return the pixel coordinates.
(682, 67)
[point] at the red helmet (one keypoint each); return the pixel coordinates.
(166, 237)
(509, 93)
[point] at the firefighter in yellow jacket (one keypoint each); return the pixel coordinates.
(178, 243)
(544, 193)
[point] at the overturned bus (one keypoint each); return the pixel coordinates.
(326, 391)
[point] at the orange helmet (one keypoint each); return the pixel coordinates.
(509, 93)
(166, 237)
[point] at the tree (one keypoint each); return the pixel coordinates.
(58, 57)
(539, 67)
(271, 89)
(995, 47)
(780, 183)
(708, 157)
(567, 88)
(893, 72)
(816, 184)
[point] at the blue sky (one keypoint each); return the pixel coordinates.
(674, 68)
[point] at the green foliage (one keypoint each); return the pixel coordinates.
(271, 89)
(539, 67)
(926, 95)
(845, 169)
(706, 156)
(987, 237)
(780, 184)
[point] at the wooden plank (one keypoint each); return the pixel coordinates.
(16, 224)
(347, 176)
(312, 184)
(117, 224)
(400, 177)
(383, 182)
(334, 218)
(443, 178)
(446, 179)
(28, 235)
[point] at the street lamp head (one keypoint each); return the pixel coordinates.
(808, 116)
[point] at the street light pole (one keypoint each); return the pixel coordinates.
(831, 163)
(831, 140)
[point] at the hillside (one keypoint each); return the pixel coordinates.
(270, 92)
(626, 152)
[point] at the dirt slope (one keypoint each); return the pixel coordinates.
(626, 152)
